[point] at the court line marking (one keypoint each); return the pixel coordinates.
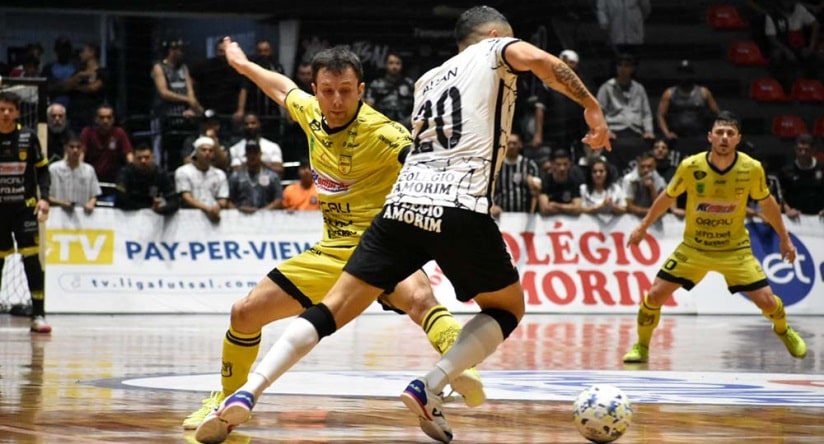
(643, 387)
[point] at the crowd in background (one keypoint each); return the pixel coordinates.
(217, 142)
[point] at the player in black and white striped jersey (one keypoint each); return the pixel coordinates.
(439, 209)
(519, 182)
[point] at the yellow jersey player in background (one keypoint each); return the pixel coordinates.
(717, 183)
(356, 154)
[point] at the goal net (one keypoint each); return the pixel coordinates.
(14, 291)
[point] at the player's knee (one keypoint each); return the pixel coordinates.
(322, 319)
(243, 315)
(507, 320)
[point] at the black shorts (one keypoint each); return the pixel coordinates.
(467, 246)
(20, 220)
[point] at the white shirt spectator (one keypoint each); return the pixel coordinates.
(76, 185)
(206, 186)
(270, 152)
(595, 198)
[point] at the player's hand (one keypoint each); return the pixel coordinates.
(598, 135)
(787, 250)
(234, 55)
(41, 209)
(637, 235)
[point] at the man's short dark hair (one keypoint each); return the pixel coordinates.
(143, 147)
(561, 153)
(252, 145)
(804, 139)
(471, 19)
(625, 57)
(336, 60)
(728, 117)
(10, 97)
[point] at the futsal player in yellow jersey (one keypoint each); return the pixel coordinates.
(355, 154)
(717, 184)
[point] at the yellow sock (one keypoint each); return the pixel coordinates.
(648, 317)
(441, 328)
(778, 317)
(239, 353)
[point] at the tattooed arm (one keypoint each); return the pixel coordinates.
(523, 56)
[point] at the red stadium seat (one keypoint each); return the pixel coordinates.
(818, 127)
(724, 17)
(746, 53)
(808, 90)
(767, 90)
(788, 126)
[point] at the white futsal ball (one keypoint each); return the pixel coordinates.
(602, 413)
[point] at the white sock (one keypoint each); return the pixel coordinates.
(299, 338)
(478, 339)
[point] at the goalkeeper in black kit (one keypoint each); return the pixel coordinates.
(24, 188)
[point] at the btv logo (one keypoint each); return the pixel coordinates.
(80, 247)
(792, 281)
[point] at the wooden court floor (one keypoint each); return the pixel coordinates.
(132, 379)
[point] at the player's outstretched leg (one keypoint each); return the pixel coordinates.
(442, 330)
(648, 317)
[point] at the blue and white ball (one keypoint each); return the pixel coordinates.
(602, 413)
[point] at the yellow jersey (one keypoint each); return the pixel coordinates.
(716, 206)
(354, 167)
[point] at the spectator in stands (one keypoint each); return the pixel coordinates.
(791, 52)
(218, 86)
(542, 156)
(272, 155)
(519, 181)
(59, 72)
(201, 185)
(558, 119)
(73, 181)
(144, 184)
(685, 111)
(666, 162)
(627, 110)
(294, 143)
(302, 195)
(803, 181)
(108, 148)
(87, 87)
(560, 193)
(530, 91)
(58, 133)
(210, 127)
(642, 185)
(623, 20)
(392, 93)
(255, 186)
(29, 68)
(256, 100)
(31, 62)
(175, 104)
(601, 193)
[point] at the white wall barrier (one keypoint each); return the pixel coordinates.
(139, 262)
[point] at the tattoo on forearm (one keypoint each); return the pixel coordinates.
(568, 78)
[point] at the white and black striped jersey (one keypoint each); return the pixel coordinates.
(461, 122)
(511, 188)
